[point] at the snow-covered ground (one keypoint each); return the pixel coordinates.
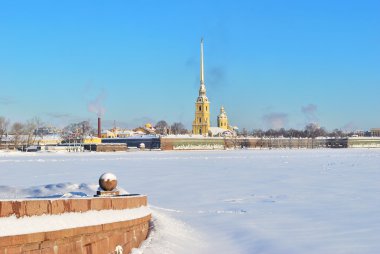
(250, 201)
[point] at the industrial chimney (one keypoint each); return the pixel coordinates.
(99, 127)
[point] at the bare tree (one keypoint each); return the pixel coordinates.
(336, 133)
(313, 130)
(30, 130)
(77, 131)
(293, 133)
(39, 124)
(162, 127)
(3, 127)
(17, 131)
(281, 132)
(244, 132)
(270, 133)
(258, 133)
(178, 128)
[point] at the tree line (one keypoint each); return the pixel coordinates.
(22, 133)
(163, 128)
(310, 131)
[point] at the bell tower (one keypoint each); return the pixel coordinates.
(201, 123)
(223, 119)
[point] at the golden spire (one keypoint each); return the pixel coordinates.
(202, 89)
(202, 71)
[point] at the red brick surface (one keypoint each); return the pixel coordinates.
(83, 240)
(100, 239)
(32, 207)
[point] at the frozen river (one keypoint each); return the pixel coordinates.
(248, 201)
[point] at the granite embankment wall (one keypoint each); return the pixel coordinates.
(106, 147)
(218, 143)
(101, 238)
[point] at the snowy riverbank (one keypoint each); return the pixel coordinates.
(261, 201)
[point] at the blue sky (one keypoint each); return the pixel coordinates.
(270, 63)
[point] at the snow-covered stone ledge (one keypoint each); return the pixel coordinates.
(40, 206)
(75, 225)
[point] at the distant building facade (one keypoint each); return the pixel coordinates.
(147, 129)
(375, 132)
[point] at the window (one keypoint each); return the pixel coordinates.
(206, 108)
(200, 119)
(200, 108)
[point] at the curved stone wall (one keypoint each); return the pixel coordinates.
(101, 238)
(32, 207)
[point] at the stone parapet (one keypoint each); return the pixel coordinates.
(33, 207)
(95, 239)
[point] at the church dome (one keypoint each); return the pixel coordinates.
(223, 113)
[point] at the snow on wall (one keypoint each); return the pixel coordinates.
(43, 223)
(198, 147)
(53, 190)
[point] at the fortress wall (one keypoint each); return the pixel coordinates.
(369, 142)
(220, 143)
(192, 143)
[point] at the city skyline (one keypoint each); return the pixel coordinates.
(270, 64)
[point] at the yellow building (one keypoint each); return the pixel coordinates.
(147, 129)
(48, 140)
(92, 140)
(108, 134)
(223, 119)
(201, 123)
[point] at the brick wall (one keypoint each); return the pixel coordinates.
(31, 207)
(94, 239)
(166, 143)
(120, 147)
(98, 239)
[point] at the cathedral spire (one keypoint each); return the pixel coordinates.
(201, 123)
(202, 70)
(202, 88)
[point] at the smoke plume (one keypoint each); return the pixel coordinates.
(216, 77)
(275, 120)
(96, 105)
(348, 127)
(309, 111)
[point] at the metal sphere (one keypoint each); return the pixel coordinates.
(108, 182)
